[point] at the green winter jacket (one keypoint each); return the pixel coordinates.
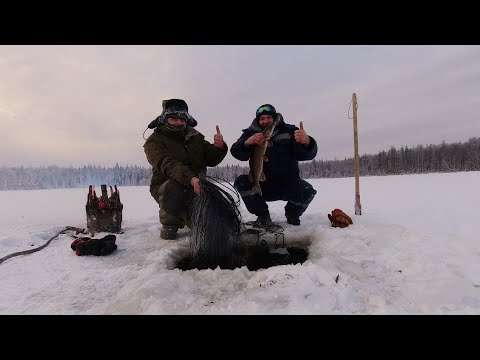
(180, 155)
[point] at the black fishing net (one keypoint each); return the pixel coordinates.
(219, 238)
(216, 223)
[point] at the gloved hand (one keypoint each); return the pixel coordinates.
(98, 247)
(339, 219)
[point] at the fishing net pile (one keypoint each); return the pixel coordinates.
(219, 238)
(216, 223)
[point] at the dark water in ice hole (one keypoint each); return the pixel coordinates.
(254, 253)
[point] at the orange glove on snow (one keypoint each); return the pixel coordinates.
(339, 219)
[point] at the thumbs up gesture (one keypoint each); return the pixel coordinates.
(218, 139)
(301, 136)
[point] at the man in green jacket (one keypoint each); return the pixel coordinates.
(178, 154)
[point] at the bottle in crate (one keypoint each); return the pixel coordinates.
(104, 214)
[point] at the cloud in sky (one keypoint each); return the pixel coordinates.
(77, 105)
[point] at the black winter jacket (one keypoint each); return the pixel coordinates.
(283, 156)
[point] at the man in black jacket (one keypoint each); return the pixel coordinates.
(283, 182)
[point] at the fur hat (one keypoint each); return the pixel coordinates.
(173, 108)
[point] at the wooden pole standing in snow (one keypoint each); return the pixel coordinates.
(358, 206)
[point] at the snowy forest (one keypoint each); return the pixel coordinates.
(445, 157)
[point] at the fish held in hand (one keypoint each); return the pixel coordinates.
(258, 158)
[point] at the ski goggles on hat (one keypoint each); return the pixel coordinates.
(265, 109)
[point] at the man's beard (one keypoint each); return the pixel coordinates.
(176, 128)
(264, 125)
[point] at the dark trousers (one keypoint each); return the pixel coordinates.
(174, 201)
(297, 192)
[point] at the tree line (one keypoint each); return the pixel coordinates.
(420, 159)
(54, 177)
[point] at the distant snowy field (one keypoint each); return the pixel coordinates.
(414, 250)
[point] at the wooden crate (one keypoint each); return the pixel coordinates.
(104, 213)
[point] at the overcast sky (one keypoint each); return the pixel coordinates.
(79, 105)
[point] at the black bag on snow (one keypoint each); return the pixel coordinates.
(97, 247)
